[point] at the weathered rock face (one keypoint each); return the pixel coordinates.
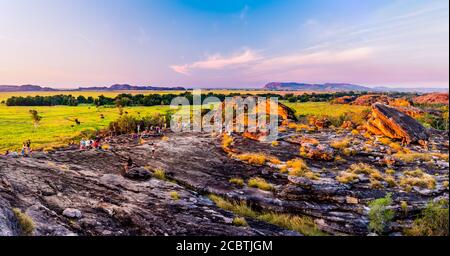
(368, 100)
(69, 192)
(432, 98)
(395, 124)
(104, 202)
(344, 100)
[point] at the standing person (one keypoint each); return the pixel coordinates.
(28, 145)
(24, 148)
(95, 145)
(153, 149)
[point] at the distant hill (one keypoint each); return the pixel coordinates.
(116, 87)
(315, 87)
(332, 87)
(127, 87)
(417, 90)
(25, 88)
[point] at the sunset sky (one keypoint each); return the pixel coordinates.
(219, 43)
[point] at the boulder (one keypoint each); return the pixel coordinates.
(72, 213)
(395, 124)
(139, 173)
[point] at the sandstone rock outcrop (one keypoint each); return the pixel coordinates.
(432, 98)
(285, 114)
(368, 100)
(395, 124)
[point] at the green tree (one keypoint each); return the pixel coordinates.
(36, 118)
(380, 214)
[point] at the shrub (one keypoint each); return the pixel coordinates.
(404, 206)
(237, 181)
(380, 214)
(260, 183)
(174, 195)
(298, 167)
(301, 224)
(159, 174)
(240, 221)
(226, 141)
(25, 222)
(253, 158)
(432, 222)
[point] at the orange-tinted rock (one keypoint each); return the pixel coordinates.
(347, 125)
(319, 123)
(411, 111)
(395, 124)
(432, 98)
(343, 100)
(284, 115)
(369, 100)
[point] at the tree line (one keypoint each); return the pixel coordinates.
(125, 100)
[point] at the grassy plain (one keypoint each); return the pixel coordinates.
(58, 125)
(324, 108)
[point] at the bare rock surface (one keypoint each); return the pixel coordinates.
(83, 193)
(196, 165)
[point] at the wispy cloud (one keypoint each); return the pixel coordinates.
(243, 13)
(218, 62)
(143, 37)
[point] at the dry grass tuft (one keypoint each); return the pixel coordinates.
(25, 222)
(301, 224)
(240, 222)
(260, 183)
(298, 167)
(412, 157)
(159, 174)
(237, 181)
(174, 195)
(340, 144)
(417, 178)
(253, 158)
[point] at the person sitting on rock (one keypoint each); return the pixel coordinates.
(129, 165)
(82, 144)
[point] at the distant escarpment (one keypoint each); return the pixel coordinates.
(315, 87)
(25, 88)
(116, 87)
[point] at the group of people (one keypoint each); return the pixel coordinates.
(87, 144)
(26, 150)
